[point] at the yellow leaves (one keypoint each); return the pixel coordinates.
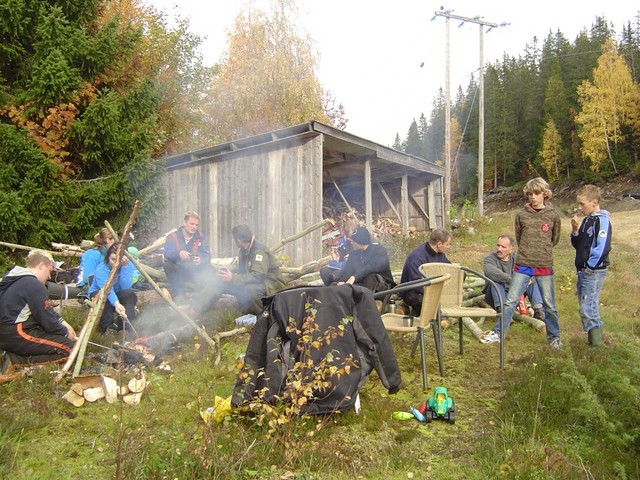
(551, 151)
(608, 104)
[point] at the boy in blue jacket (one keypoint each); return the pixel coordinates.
(592, 240)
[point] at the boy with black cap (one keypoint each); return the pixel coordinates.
(368, 264)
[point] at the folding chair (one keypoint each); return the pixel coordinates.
(394, 322)
(452, 295)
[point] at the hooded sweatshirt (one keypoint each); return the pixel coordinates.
(23, 297)
(593, 241)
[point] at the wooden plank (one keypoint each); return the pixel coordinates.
(419, 208)
(386, 197)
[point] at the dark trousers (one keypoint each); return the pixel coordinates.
(29, 339)
(110, 319)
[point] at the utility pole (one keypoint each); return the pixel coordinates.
(447, 14)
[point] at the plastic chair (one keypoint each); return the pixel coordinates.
(452, 296)
(394, 322)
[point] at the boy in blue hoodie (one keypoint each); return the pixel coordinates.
(592, 240)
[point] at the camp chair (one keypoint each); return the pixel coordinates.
(394, 322)
(451, 300)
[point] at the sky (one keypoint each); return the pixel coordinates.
(386, 61)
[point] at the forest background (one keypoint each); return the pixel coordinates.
(94, 93)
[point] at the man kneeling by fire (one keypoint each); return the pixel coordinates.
(29, 326)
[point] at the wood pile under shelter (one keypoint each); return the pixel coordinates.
(278, 183)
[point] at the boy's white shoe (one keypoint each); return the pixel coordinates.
(491, 337)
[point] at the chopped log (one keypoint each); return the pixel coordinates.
(132, 398)
(474, 283)
(78, 388)
(137, 384)
(73, 398)
(110, 387)
(92, 394)
(122, 390)
(87, 381)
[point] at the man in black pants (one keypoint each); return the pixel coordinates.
(29, 327)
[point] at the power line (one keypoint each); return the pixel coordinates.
(448, 14)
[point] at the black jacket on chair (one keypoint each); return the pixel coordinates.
(276, 347)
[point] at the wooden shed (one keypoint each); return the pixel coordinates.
(276, 183)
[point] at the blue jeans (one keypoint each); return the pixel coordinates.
(533, 294)
(518, 285)
(588, 287)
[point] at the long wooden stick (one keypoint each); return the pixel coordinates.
(15, 246)
(170, 302)
(78, 351)
(157, 244)
(299, 235)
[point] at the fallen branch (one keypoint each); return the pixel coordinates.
(157, 244)
(15, 246)
(472, 326)
(306, 231)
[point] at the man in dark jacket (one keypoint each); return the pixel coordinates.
(187, 259)
(257, 276)
(433, 251)
(29, 327)
(367, 265)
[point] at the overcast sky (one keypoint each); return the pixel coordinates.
(371, 51)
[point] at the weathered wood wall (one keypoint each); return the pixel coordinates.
(275, 188)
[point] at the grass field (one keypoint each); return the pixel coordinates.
(549, 414)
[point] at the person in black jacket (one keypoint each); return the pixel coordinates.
(29, 326)
(367, 265)
(433, 251)
(293, 331)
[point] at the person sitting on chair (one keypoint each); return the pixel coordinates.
(433, 251)
(498, 266)
(29, 326)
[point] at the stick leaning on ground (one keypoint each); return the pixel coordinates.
(78, 351)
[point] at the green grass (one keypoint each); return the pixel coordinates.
(549, 414)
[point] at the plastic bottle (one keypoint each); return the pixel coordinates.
(417, 414)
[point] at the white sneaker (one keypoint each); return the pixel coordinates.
(491, 337)
(556, 343)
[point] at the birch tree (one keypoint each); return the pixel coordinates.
(551, 151)
(608, 105)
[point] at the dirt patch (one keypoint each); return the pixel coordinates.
(614, 196)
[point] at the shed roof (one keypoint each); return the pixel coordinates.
(344, 154)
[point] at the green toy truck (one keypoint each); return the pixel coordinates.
(440, 407)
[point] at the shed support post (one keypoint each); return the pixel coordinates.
(368, 195)
(404, 204)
